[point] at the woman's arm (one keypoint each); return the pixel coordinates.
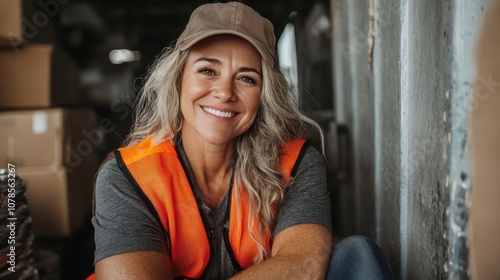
(298, 252)
(129, 241)
(134, 265)
(303, 238)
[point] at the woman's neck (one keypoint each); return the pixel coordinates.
(211, 166)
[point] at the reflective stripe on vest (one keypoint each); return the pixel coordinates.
(158, 172)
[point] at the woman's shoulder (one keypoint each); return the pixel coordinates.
(110, 174)
(109, 166)
(312, 157)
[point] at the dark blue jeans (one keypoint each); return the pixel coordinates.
(358, 257)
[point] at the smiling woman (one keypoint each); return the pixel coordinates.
(216, 179)
(220, 92)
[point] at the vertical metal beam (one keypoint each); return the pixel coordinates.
(404, 137)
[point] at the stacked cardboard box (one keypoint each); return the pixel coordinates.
(45, 130)
(10, 22)
(38, 76)
(54, 151)
(27, 21)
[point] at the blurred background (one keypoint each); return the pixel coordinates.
(393, 84)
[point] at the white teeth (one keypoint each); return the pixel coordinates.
(219, 113)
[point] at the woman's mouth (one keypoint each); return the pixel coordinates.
(219, 113)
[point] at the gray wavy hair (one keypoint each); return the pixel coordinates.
(158, 115)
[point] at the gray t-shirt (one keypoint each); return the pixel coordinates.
(123, 222)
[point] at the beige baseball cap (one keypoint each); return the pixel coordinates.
(230, 18)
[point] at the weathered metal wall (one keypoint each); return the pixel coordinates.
(403, 72)
(425, 78)
(356, 111)
(388, 146)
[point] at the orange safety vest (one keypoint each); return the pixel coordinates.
(157, 174)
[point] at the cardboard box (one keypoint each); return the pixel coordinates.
(51, 207)
(38, 76)
(59, 201)
(10, 22)
(54, 151)
(27, 21)
(32, 138)
(38, 138)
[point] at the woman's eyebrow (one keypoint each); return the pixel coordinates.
(249, 69)
(208, 59)
(218, 62)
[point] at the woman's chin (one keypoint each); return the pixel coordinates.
(218, 141)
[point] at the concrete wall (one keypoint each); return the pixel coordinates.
(403, 72)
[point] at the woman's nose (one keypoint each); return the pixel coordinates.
(224, 90)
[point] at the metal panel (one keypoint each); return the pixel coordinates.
(425, 79)
(422, 77)
(387, 121)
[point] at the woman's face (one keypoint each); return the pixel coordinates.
(220, 89)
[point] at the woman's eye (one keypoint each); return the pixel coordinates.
(206, 71)
(249, 80)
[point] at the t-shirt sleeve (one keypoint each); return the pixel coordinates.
(307, 200)
(122, 221)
